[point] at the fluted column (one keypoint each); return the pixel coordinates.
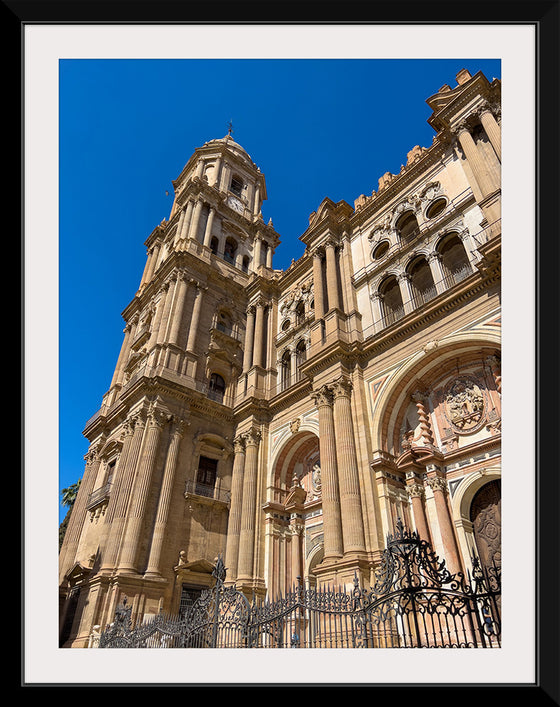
(195, 321)
(257, 254)
(193, 229)
(79, 511)
(164, 503)
(234, 522)
(249, 340)
(416, 494)
(318, 285)
(164, 322)
(184, 226)
(376, 311)
(475, 161)
(406, 292)
(209, 226)
(332, 276)
(123, 356)
(140, 492)
(434, 261)
(118, 504)
(178, 309)
(347, 462)
(439, 486)
(157, 319)
(492, 129)
(258, 345)
(332, 523)
(247, 525)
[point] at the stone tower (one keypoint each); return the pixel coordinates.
(159, 464)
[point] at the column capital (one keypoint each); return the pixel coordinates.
(318, 252)
(323, 396)
(415, 490)
(239, 444)
(252, 437)
(342, 387)
(438, 483)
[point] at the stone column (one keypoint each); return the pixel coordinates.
(170, 285)
(147, 268)
(438, 276)
(178, 309)
(79, 511)
(217, 172)
(187, 221)
(318, 289)
(249, 340)
(257, 253)
(439, 486)
(247, 524)
(123, 356)
(332, 275)
(296, 530)
(348, 475)
(406, 292)
(140, 492)
(376, 311)
(193, 230)
(195, 321)
(209, 225)
(164, 503)
(157, 319)
(118, 504)
(332, 523)
(258, 345)
(471, 153)
(256, 208)
(416, 494)
(234, 522)
(269, 256)
(492, 129)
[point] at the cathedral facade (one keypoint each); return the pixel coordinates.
(286, 419)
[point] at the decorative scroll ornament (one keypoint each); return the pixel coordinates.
(464, 405)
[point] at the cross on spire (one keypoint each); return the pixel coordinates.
(230, 128)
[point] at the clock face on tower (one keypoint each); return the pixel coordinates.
(235, 204)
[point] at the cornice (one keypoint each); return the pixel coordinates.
(403, 180)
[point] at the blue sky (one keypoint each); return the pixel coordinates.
(316, 128)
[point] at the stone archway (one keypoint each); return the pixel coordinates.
(293, 512)
(486, 519)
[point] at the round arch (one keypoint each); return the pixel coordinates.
(419, 366)
(461, 503)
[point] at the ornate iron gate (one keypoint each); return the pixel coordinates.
(414, 603)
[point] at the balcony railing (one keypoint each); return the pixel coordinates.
(196, 488)
(98, 496)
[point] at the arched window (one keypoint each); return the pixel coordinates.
(285, 369)
(230, 249)
(421, 281)
(391, 300)
(301, 355)
(454, 259)
(216, 388)
(407, 227)
(300, 312)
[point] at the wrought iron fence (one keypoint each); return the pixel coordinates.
(414, 603)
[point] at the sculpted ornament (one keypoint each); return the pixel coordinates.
(464, 405)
